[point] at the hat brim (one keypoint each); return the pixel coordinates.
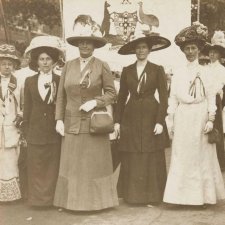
(98, 41)
(155, 43)
(209, 46)
(14, 59)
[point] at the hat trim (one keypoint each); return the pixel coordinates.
(98, 41)
(129, 48)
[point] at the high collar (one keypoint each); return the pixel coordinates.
(85, 60)
(142, 62)
(5, 77)
(46, 74)
(215, 64)
(193, 64)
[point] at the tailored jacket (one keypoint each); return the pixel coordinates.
(10, 107)
(71, 95)
(142, 112)
(38, 115)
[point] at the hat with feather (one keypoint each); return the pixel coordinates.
(217, 43)
(196, 33)
(86, 29)
(9, 52)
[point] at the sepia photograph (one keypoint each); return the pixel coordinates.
(112, 112)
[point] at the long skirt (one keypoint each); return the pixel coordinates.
(42, 168)
(219, 126)
(9, 174)
(86, 180)
(194, 176)
(143, 176)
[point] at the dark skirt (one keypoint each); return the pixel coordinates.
(143, 176)
(219, 126)
(43, 168)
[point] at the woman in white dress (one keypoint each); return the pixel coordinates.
(10, 115)
(216, 50)
(194, 176)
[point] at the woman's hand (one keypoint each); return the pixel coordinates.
(158, 129)
(117, 130)
(60, 127)
(208, 127)
(89, 105)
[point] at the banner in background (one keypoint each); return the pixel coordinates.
(119, 19)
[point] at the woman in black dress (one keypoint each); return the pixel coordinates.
(40, 91)
(140, 122)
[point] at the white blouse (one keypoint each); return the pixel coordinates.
(217, 71)
(140, 67)
(84, 62)
(180, 87)
(42, 80)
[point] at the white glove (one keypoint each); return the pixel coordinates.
(89, 105)
(158, 129)
(60, 127)
(208, 127)
(117, 130)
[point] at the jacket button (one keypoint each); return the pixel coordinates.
(45, 114)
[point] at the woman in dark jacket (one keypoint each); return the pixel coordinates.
(39, 115)
(140, 121)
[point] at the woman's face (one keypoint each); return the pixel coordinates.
(6, 67)
(191, 52)
(214, 55)
(86, 48)
(45, 63)
(142, 50)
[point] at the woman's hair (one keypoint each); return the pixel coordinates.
(34, 55)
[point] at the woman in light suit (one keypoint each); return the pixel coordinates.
(10, 114)
(86, 180)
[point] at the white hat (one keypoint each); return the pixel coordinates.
(46, 41)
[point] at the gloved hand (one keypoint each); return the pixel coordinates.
(158, 129)
(89, 105)
(208, 127)
(117, 130)
(60, 127)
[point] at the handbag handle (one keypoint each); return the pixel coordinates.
(101, 112)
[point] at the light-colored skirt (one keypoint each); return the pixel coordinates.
(86, 181)
(194, 176)
(9, 173)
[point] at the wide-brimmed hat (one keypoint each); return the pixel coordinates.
(52, 45)
(9, 52)
(217, 43)
(86, 29)
(196, 33)
(46, 41)
(153, 40)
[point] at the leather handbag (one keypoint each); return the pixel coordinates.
(101, 123)
(214, 136)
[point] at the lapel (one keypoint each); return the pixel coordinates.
(148, 70)
(11, 86)
(36, 90)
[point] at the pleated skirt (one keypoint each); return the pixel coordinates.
(86, 180)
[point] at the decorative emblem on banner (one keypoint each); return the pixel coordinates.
(125, 24)
(121, 19)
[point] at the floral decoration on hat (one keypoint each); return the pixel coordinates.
(10, 52)
(197, 32)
